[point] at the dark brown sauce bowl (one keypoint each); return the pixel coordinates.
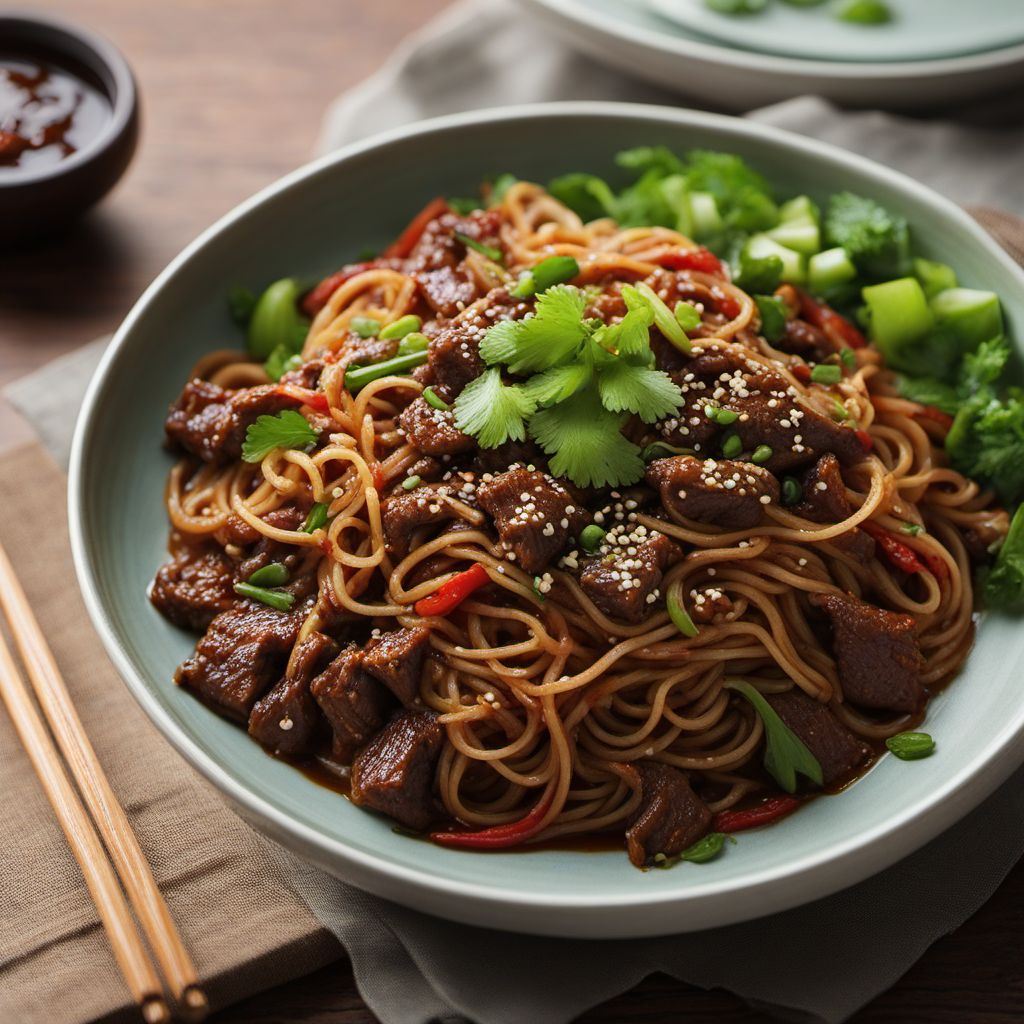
(38, 201)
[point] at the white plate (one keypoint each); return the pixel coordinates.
(630, 36)
(920, 29)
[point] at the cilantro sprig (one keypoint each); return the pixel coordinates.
(288, 429)
(579, 381)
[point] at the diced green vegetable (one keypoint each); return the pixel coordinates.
(801, 208)
(829, 269)
(662, 450)
(400, 366)
(757, 274)
(731, 446)
(434, 400)
(899, 319)
(281, 361)
(865, 12)
(544, 275)
(591, 537)
(801, 236)
(723, 417)
(934, 277)
(687, 316)
(489, 251)
(704, 215)
(279, 599)
(410, 483)
(707, 848)
(276, 320)
(967, 316)
(762, 453)
(772, 312)
(737, 6)
(272, 575)
(365, 326)
(793, 263)
(826, 373)
(792, 492)
(316, 518)
(911, 746)
(414, 342)
(401, 327)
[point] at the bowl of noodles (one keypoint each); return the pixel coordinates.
(604, 516)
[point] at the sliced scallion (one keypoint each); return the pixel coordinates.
(680, 616)
(272, 575)
(401, 327)
(399, 366)
(279, 599)
(433, 399)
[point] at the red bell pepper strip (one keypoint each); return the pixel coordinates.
(314, 399)
(826, 319)
(865, 440)
(406, 241)
(317, 297)
(772, 809)
(901, 555)
(936, 566)
(500, 836)
(452, 593)
(692, 259)
(943, 419)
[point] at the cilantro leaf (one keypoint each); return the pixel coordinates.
(743, 196)
(492, 411)
(984, 365)
(586, 443)
(587, 195)
(929, 391)
(651, 394)
(631, 337)
(878, 241)
(288, 429)
(499, 343)
(558, 383)
(785, 754)
(543, 340)
(987, 441)
(1004, 587)
(646, 158)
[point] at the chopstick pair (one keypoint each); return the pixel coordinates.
(108, 818)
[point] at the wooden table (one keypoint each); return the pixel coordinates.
(233, 93)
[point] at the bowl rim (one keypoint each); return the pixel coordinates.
(121, 91)
(849, 862)
(772, 63)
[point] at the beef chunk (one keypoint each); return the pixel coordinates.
(357, 351)
(287, 720)
(671, 817)
(404, 512)
(511, 453)
(805, 340)
(433, 431)
(307, 375)
(837, 750)
(536, 516)
(193, 589)
(267, 550)
(719, 492)
(355, 704)
(876, 652)
(824, 493)
(394, 772)
(621, 587)
(210, 422)
(396, 659)
(243, 652)
(447, 290)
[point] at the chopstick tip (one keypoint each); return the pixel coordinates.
(194, 1003)
(155, 1011)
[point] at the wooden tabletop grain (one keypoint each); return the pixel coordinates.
(233, 92)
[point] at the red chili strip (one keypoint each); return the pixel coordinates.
(865, 440)
(901, 555)
(314, 399)
(936, 566)
(826, 319)
(317, 297)
(943, 419)
(452, 593)
(700, 259)
(500, 836)
(406, 241)
(772, 809)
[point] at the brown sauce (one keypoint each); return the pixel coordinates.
(47, 113)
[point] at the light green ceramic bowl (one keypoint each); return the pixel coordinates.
(309, 223)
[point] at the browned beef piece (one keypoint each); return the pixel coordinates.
(720, 492)
(194, 588)
(511, 453)
(454, 353)
(403, 512)
(690, 426)
(876, 652)
(266, 550)
(671, 817)
(621, 587)
(447, 290)
(353, 702)
(805, 340)
(824, 494)
(426, 468)
(307, 375)
(433, 431)
(210, 422)
(362, 351)
(837, 750)
(243, 652)
(536, 516)
(396, 659)
(394, 772)
(287, 720)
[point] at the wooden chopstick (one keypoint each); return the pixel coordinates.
(84, 842)
(109, 816)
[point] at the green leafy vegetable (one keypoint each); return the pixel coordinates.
(876, 240)
(288, 429)
(649, 393)
(1004, 586)
(491, 411)
(929, 391)
(464, 205)
(500, 186)
(543, 340)
(280, 361)
(785, 755)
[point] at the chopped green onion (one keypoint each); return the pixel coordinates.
(364, 326)
(679, 616)
(839, 410)
(826, 373)
(279, 599)
(410, 483)
(432, 398)
(707, 848)
(401, 327)
(400, 366)
(732, 446)
(762, 453)
(317, 517)
(865, 12)
(723, 417)
(687, 316)
(495, 255)
(546, 274)
(662, 450)
(911, 746)
(414, 342)
(664, 318)
(273, 575)
(772, 312)
(792, 492)
(536, 589)
(911, 529)
(849, 358)
(591, 537)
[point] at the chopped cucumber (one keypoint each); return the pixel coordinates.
(967, 316)
(800, 208)
(934, 277)
(676, 194)
(704, 214)
(794, 269)
(799, 235)
(899, 318)
(829, 269)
